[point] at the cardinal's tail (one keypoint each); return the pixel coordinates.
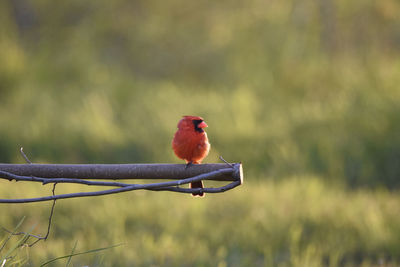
(198, 184)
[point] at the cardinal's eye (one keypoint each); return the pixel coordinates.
(196, 126)
(197, 122)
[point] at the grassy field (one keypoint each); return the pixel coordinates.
(304, 93)
(300, 221)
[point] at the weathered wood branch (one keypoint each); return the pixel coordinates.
(121, 171)
(81, 174)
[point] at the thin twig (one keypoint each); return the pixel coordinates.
(50, 218)
(230, 164)
(200, 190)
(22, 233)
(21, 150)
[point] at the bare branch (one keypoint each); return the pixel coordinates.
(164, 186)
(9, 176)
(118, 171)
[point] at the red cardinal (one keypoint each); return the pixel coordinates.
(191, 143)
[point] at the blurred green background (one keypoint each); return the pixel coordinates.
(304, 93)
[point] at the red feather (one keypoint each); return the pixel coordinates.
(190, 143)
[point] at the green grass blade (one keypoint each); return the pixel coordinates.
(11, 234)
(80, 253)
(72, 252)
(17, 244)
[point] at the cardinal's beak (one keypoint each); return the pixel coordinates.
(202, 125)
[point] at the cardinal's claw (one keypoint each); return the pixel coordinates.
(188, 164)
